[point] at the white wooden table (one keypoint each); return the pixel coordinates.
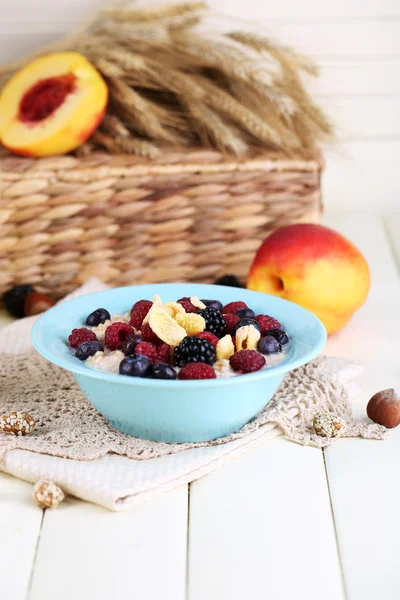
(283, 522)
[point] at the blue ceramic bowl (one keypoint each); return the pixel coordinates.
(177, 411)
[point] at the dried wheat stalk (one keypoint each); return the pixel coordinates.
(173, 83)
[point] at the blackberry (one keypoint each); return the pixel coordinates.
(14, 299)
(215, 322)
(192, 349)
(229, 280)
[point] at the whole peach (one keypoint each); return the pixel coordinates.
(315, 267)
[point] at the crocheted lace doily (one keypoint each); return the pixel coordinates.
(68, 426)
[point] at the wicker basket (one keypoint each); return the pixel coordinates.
(189, 216)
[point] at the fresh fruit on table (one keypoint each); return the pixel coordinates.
(14, 299)
(89, 348)
(36, 303)
(80, 335)
(384, 408)
(247, 361)
(137, 365)
(24, 301)
(229, 280)
(315, 267)
(164, 341)
(197, 371)
(100, 315)
(52, 105)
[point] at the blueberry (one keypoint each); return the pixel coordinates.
(247, 321)
(86, 349)
(136, 365)
(244, 313)
(129, 345)
(163, 371)
(14, 299)
(100, 315)
(229, 280)
(269, 345)
(280, 335)
(213, 303)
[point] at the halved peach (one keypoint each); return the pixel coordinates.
(52, 105)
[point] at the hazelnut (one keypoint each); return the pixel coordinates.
(384, 408)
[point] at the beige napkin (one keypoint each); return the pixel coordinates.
(117, 482)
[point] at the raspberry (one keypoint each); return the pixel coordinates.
(116, 334)
(232, 307)
(231, 321)
(193, 349)
(148, 335)
(164, 352)
(197, 371)
(138, 313)
(187, 305)
(139, 304)
(246, 361)
(78, 336)
(267, 323)
(206, 335)
(149, 350)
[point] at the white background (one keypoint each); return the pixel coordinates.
(357, 44)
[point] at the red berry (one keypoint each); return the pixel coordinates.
(247, 361)
(164, 353)
(149, 350)
(36, 303)
(207, 335)
(139, 304)
(83, 334)
(187, 305)
(267, 323)
(149, 336)
(231, 321)
(116, 334)
(138, 313)
(197, 370)
(232, 307)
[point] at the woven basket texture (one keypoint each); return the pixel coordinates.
(187, 216)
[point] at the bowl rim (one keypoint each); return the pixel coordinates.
(80, 369)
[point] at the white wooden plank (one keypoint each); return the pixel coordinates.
(88, 552)
(348, 38)
(362, 175)
(17, 45)
(45, 11)
(313, 10)
(355, 76)
(308, 9)
(362, 474)
(258, 525)
(363, 117)
(20, 522)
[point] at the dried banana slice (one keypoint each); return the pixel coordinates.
(165, 327)
(157, 302)
(173, 308)
(191, 322)
(225, 347)
(247, 338)
(197, 303)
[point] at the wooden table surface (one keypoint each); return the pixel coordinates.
(283, 522)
